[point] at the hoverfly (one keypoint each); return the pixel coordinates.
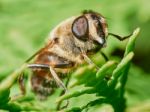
(70, 44)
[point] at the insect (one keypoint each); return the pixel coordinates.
(69, 45)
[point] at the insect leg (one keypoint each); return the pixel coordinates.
(57, 79)
(62, 92)
(104, 56)
(119, 37)
(43, 66)
(22, 88)
(55, 65)
(53, 73)
(21, 84)
(89, 61)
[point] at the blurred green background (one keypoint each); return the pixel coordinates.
(25, 25)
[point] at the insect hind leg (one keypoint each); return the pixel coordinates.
(21, 82)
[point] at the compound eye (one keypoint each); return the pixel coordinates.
(80, 28)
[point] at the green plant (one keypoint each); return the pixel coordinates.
(107, 90)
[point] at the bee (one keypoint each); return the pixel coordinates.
(69, 45)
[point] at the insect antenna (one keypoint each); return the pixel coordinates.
(119, 37)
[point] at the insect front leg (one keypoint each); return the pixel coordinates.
(104, 56)
(88, 60)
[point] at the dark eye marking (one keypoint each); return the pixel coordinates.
(100, 29)
(94, 17)
(99, 25)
